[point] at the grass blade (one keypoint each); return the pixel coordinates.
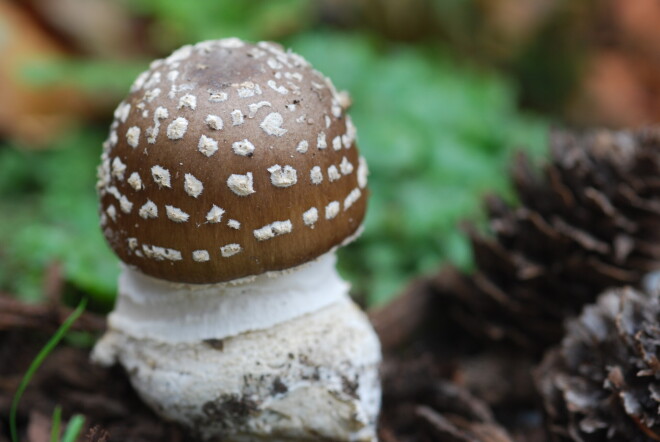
(55, 428)
(74, 428)
(36, 363)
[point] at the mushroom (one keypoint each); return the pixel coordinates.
(229, 178)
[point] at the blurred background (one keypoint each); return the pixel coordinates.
(444, 92)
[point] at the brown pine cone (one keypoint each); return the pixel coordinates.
(603, 381)
(590, 221)
(419, 405)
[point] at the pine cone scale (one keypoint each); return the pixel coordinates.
(602, 383)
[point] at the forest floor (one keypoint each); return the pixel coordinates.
(436, 387)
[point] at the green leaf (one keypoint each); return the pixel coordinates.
(437, 135)
(54, 219)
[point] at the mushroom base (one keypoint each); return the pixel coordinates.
(314, 377)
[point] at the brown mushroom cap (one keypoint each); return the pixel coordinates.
(229, 159)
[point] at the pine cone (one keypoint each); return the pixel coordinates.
(603, 382)
(419, 405)
(589, 222)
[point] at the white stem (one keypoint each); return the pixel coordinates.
(173, 312)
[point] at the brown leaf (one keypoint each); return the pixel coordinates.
(33, 115)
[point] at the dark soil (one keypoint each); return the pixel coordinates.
(439, 385)
(112, 410)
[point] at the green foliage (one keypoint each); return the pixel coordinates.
(437, 136)
(73, 429)
(110, 77)
(50, 215)
(180, 22)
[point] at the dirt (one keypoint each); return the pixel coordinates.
(437, 386)
(112, 410)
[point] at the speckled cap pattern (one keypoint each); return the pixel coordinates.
(229, 159)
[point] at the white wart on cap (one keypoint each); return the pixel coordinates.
(229, 159)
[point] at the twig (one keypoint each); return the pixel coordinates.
(53, 283)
